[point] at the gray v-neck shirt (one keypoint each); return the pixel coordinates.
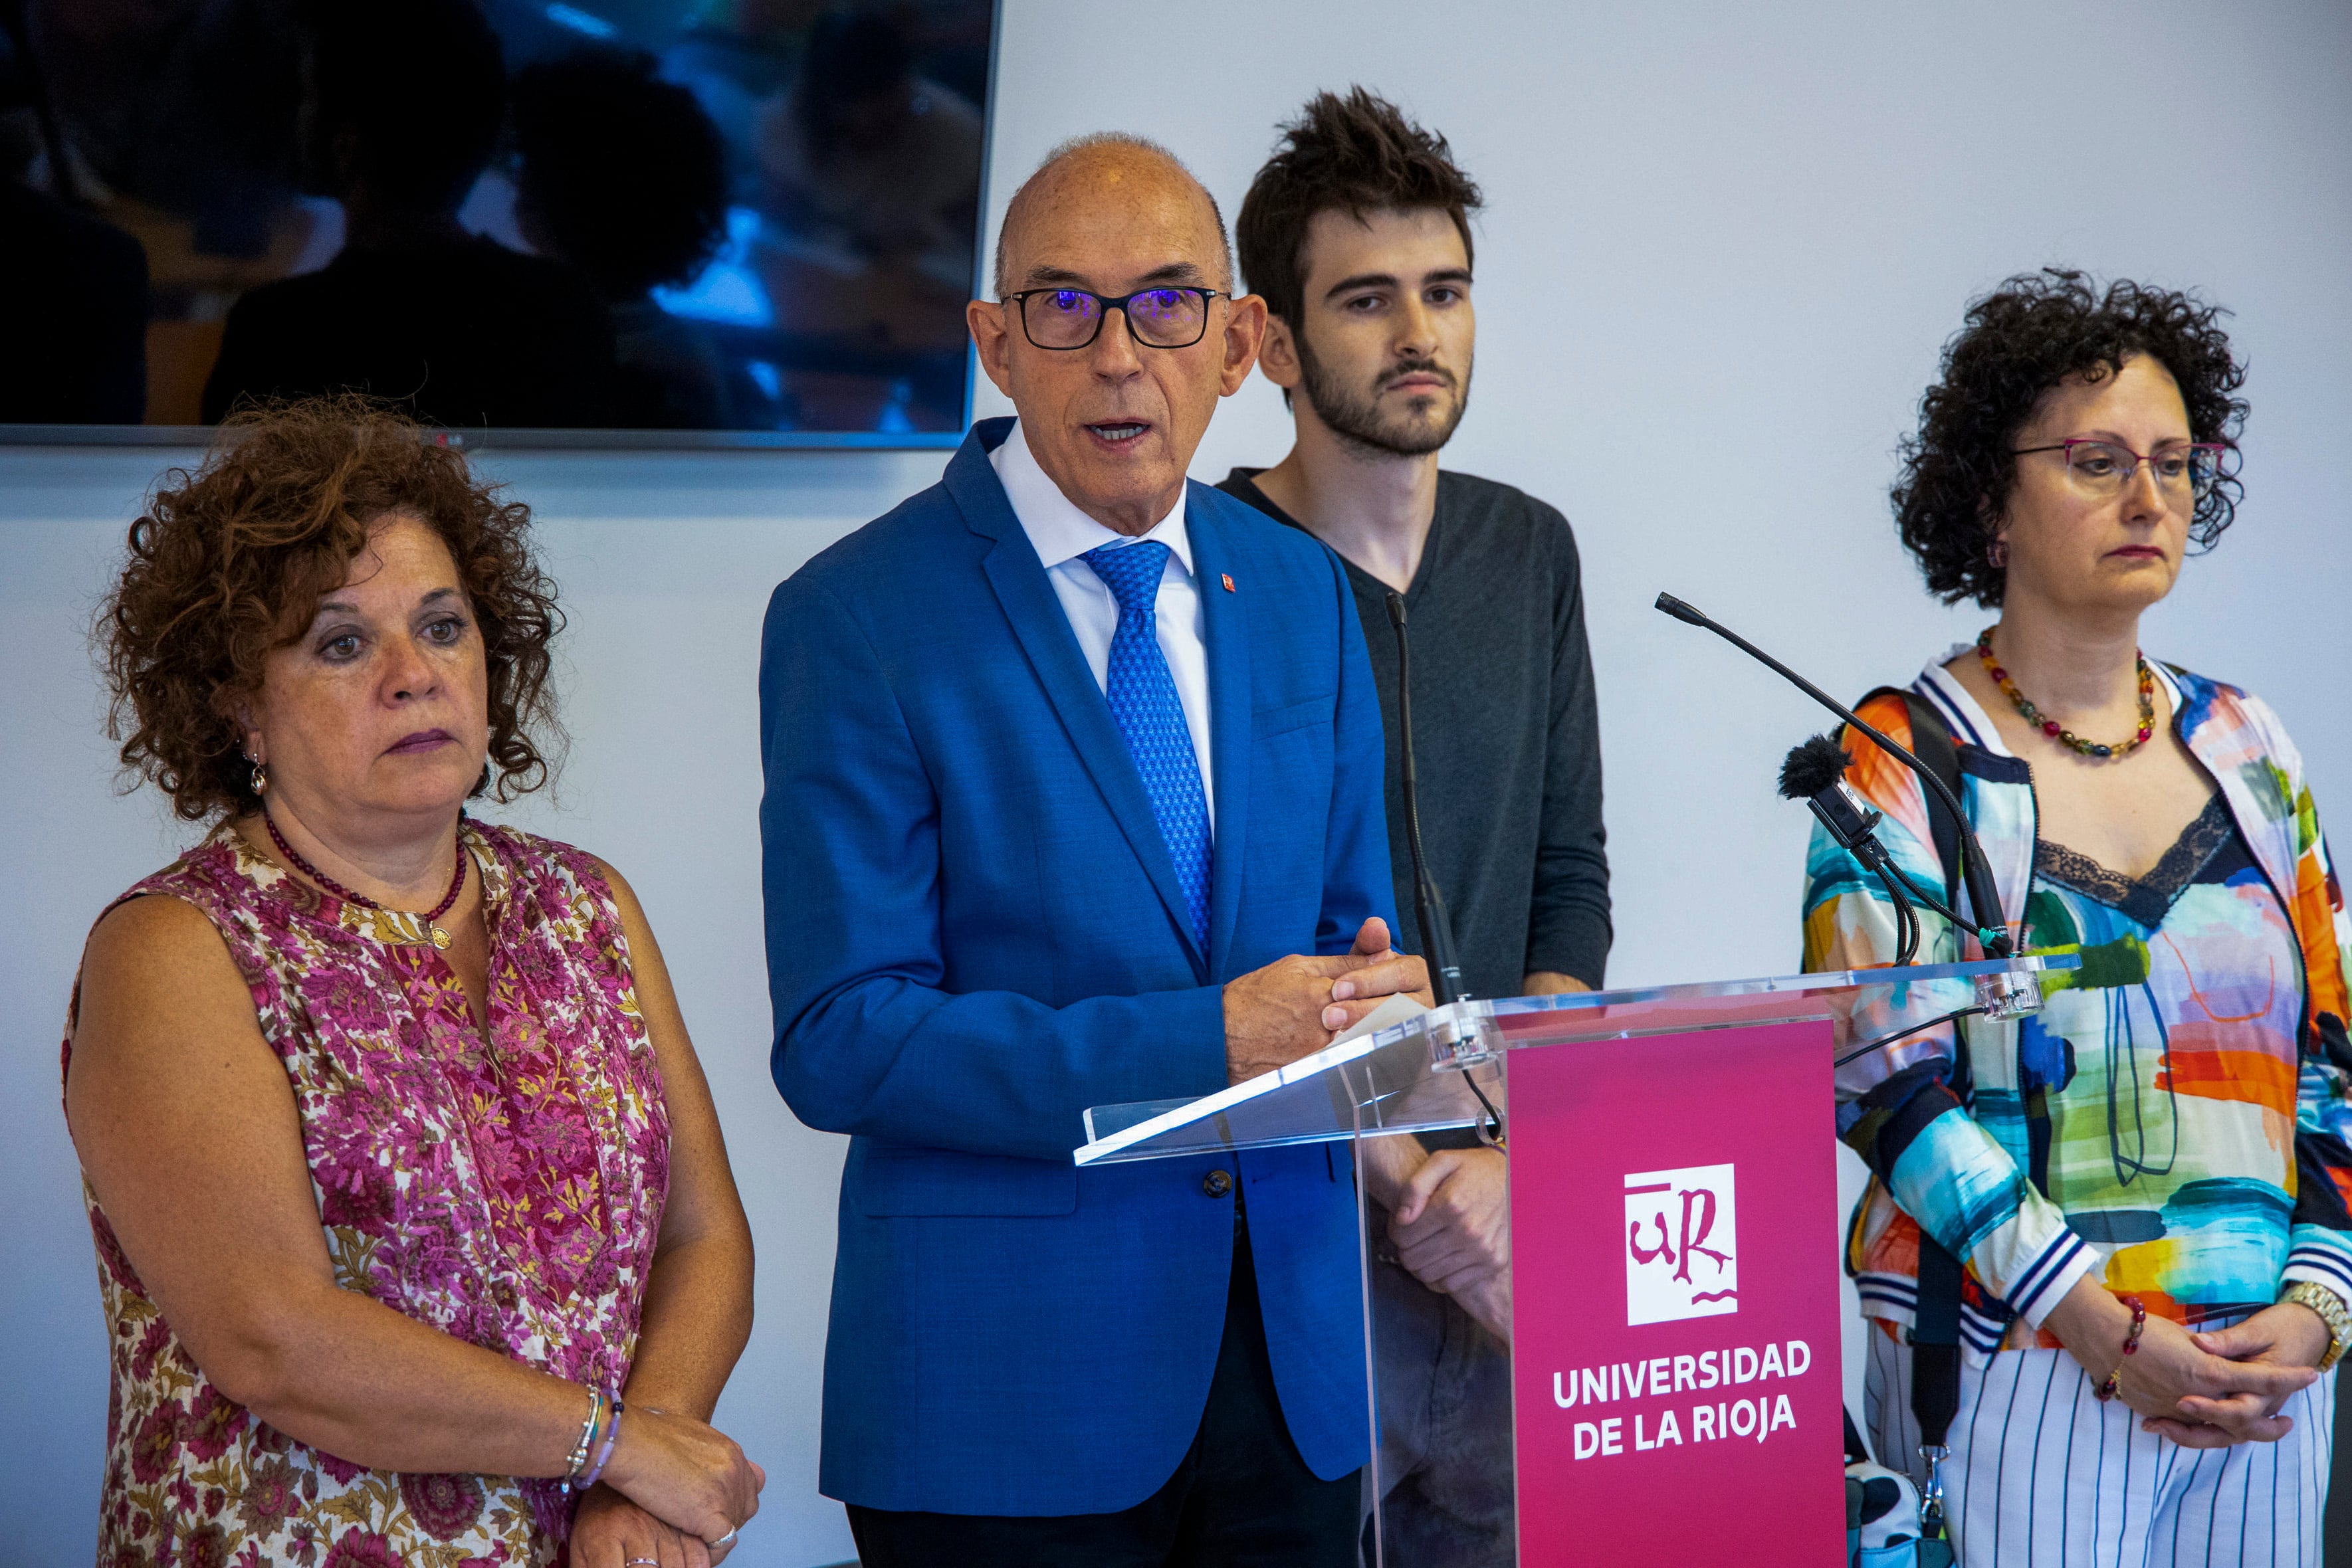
(1507, 738)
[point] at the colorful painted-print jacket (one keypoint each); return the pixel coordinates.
(2253, 1191)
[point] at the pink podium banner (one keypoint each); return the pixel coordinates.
(1676, 1381)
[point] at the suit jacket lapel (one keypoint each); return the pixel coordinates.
(1019, 580)
(1225, 621)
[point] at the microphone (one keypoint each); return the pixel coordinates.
(1975, 872)
(1428, 903)
(1814, 773)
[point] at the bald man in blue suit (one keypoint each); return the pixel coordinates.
(1075, 798)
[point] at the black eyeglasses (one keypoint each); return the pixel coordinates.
(1156, 318)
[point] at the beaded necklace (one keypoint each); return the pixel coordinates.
(431, 917)
(2050, 727)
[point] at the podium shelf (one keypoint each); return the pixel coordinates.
(1443, 1068)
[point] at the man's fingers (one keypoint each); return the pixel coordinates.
(1338, 1016)
(1414, 1196)
(1425, 1249)
(1331, 965)
(1372, 937)
(1438, 1217)
(1482, 1294)
(1383, 977)
(1459, 1281)
(1443, 1262)
(1442, 1241)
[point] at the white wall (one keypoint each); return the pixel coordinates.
(664, 566)
(1724, 244)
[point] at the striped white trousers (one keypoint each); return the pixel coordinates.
(2042, 1473)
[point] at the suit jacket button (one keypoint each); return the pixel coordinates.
(1216, 1184)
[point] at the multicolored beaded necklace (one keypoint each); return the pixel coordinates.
(431, 917)
(2050, 727)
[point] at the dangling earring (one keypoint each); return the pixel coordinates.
(1997, 553)
(260, 775)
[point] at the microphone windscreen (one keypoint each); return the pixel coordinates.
(1811, 767)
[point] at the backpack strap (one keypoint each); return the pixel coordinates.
(1935, 1320)
(1932, 743)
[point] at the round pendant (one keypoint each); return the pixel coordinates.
(440, 938)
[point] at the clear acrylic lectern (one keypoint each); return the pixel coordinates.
(1621, 1389)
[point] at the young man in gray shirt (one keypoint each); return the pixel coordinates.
(1357, 235)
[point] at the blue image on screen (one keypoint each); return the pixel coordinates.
(750, 217)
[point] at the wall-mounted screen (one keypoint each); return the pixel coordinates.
(572, 222)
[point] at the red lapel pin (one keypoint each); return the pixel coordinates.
(1228, 578)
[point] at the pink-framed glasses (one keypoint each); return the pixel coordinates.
(2104, 467)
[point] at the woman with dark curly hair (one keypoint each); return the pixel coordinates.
(416, 1237)
(2132, 1203)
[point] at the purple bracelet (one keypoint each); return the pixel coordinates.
(604, 1449)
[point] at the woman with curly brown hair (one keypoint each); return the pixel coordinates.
(2129, 1209)
(417, 1239)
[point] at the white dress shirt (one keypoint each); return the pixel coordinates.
(1061, 534)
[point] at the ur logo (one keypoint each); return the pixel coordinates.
(1681, 1240)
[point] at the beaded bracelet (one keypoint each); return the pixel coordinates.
(604, 1449)
(2113, 1385)
(580, 1449)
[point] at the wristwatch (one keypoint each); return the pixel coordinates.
(2331, 1311)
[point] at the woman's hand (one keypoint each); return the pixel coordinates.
(2290, 1337)
(611, 1531)
(685, 1473)
(2171, 1379)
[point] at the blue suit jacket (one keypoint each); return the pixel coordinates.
(975, 932)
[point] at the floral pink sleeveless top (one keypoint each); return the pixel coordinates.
(506, 1190)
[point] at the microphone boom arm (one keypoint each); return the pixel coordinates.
(1975, 873)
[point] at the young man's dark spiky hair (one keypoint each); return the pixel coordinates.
(1356, 153)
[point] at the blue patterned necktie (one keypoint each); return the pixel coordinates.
(1150, 717)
